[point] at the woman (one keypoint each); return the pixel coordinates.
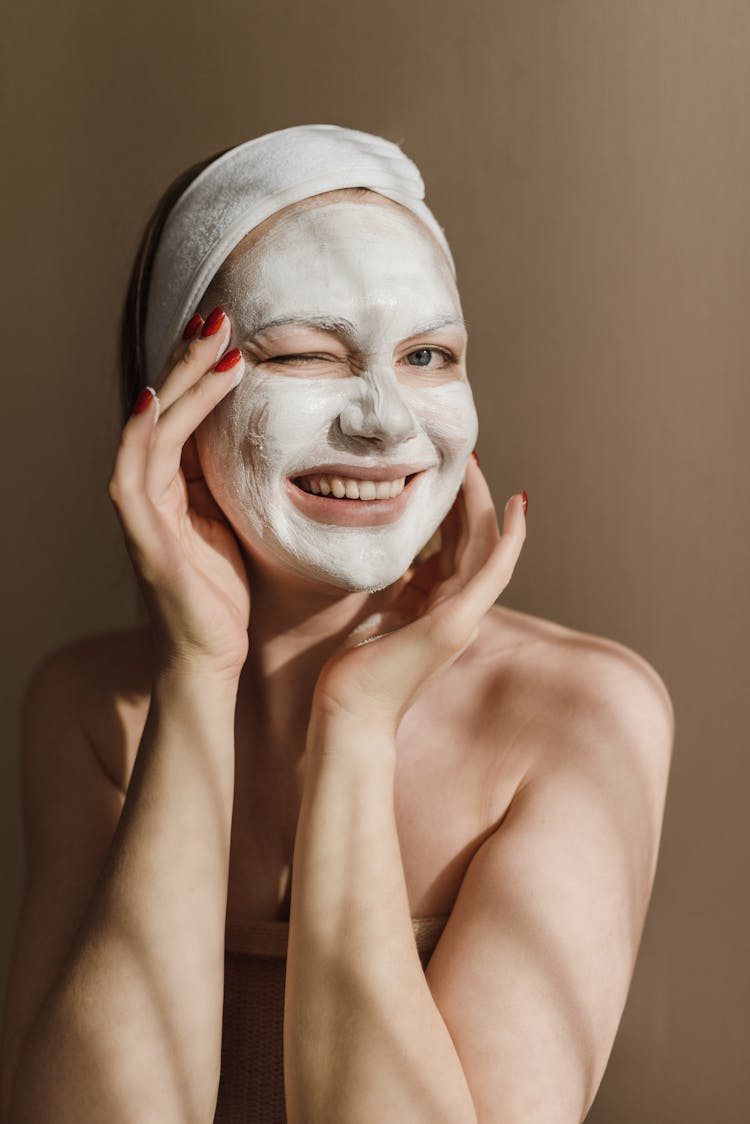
(470, 798)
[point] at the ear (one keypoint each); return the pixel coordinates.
(190, 462)
(200, 496)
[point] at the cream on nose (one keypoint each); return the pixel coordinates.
(378, 411)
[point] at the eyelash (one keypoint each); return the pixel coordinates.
(290, 358)
(447, 355)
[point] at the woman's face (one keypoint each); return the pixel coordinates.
(351, 327)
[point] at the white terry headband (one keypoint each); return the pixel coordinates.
(243, 188)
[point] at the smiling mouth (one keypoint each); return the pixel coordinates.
(334, 486)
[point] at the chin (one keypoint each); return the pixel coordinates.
(353, 578)
(354, 560)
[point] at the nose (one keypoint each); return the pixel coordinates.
(378, 410)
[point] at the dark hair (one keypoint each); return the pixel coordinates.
(132, 349)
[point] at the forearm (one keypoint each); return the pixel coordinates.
(363, 1038)
(131, 1030)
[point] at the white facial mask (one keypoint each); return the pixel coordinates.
(354, 400)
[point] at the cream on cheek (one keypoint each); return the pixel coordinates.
(272, 429)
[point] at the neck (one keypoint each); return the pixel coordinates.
(295, 625)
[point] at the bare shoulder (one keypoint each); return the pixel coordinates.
(573, 688)
(573, 653)
(103, 683)
(558, 890)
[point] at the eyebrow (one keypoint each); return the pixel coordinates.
(346, 329)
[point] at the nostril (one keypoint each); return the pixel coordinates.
(377, 415)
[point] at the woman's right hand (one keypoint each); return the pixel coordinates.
(185, 554)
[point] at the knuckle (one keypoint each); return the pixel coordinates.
(116, 491)
(181, 364)
(192, 363)
(120, 490)
(445, 630)
(206, 390)
(196, 353)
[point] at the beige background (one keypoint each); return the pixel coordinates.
(590, 161)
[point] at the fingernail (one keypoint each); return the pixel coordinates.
(213, 323)
(525, 502)
(192, 326)
(144, 400)
(228, 360)
(474, 455)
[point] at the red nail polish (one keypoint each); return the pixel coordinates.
(213, 323)
(525, 502)
(192, 326)
(144, 400)
(228, 360)
(474, 455)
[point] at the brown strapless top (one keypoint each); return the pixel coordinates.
(251, 1089)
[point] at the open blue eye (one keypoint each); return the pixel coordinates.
(425, 353)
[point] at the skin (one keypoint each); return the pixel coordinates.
(236, 734)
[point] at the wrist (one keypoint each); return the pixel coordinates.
(184, 657)
(195, 684)
(335, 731)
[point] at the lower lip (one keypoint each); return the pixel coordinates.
(354, 513)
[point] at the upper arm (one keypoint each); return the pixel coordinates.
(70, 811)
(532, 970)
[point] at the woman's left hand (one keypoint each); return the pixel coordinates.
(434, 615)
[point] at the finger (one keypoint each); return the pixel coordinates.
(183, 418)
(192, 329)
(420, 586)
(486, 562)
(127, 482)
(427, 573)
(194, 358)
(441, 546)
(452, 619)
(128, 470)
(449, 532)
(485, 586)
(479, 528)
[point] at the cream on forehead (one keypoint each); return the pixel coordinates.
(244, 187)
(337, 259)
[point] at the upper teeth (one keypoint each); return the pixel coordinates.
(345, 487)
